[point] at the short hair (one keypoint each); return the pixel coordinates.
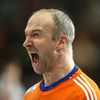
(64, 24)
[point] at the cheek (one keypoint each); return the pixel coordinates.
(49, 54)
(39, 43)
(46, 48)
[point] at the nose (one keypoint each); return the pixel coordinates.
(27, 43)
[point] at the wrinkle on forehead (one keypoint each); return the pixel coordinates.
(43, 20)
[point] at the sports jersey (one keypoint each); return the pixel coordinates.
(74, 86)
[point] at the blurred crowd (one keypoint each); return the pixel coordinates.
(13, 19)
(11, 87)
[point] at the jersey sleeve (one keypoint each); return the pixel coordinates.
(31, 89)
(29, 92)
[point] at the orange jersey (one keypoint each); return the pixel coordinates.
(75, 86)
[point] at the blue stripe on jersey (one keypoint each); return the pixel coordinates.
(43, 88)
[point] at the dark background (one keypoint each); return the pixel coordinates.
(85, 14)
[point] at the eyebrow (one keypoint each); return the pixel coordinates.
(33, 31)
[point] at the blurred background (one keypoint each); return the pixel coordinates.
(14, 15)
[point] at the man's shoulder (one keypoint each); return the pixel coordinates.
(31, 89)
(86, 85)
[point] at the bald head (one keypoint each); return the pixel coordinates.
(42, 19)
(62, 24)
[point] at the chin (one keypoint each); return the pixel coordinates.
(38, 71)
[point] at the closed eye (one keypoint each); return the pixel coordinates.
(35, 33)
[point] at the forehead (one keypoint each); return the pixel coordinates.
(40, 21)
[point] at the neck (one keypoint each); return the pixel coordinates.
(59, 71)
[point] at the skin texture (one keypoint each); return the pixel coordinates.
(55, 57)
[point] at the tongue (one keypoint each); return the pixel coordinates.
(35, 60)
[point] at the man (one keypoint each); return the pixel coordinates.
(49, 36)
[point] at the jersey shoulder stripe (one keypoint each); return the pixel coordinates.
(82, 82)
(93, 91)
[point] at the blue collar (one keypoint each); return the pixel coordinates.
(43, 88)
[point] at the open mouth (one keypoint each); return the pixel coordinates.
(35, 58)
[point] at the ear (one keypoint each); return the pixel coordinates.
(63, 40)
